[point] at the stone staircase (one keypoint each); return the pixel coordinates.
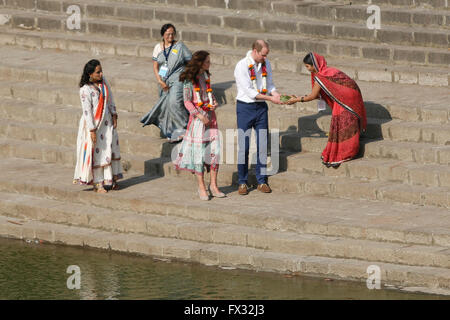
(390, 207)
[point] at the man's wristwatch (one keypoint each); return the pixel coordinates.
(302, 99)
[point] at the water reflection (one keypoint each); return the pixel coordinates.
(36, 271)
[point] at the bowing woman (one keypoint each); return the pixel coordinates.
(98, 152)
(344, 97)
(169, 59)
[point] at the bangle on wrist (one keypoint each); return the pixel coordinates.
(302, 99)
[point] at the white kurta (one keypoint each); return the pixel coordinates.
(97, 163)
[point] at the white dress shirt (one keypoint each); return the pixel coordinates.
(245, 90)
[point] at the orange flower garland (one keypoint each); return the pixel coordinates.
(252, 71)
(200, 102)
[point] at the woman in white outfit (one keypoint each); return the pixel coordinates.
(98, 152)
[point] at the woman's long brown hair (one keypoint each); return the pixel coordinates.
(193, 67)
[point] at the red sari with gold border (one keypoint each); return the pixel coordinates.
(348, 118)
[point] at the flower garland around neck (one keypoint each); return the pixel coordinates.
(200, 102)
(251, 69)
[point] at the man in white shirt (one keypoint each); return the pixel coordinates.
(253, 76)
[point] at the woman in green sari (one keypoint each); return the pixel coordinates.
(169, 58)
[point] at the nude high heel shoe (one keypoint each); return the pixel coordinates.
(217, 195)
(204, 198)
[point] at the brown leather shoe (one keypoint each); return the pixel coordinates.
(264, 187)
(243, 189)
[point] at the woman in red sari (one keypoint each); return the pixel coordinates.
(344, 97)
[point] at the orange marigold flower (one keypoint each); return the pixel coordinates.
(253, 77)
(264, 74)
(209, 90)
(199, 104)
(264, 90)
(250, 66)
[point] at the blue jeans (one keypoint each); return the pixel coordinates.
(252, 116)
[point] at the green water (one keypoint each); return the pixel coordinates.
(38, 271)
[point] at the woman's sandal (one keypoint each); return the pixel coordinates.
(98, 187)
(115, 186)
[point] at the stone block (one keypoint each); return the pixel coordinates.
(356, 33)
(7, 39)
(402, 194)
(22, 4)
(437, 198)
(260, 5)
(302, 46)
(103, 28)
(283, 45)
(50, 6)
(444, 156)
(194, 36)
(395, 17)
(284, 7)
(130, 50)
(229, 236)
(211, 3)
(315, 29)
(54, 24)
(170, 16)
(223, 39)
(132, 32)
(78, 45)
(346, 13)
(444, 178)
(98, 10)
(409, 55)
(201, 19)
(24, 22)
(242, 23)
(407, 113)
(188, 3)
(424, 177)
(339, 50)
(393, 173)
(54, 43)
(280, 26)
(99, 48)
(376, 53)
(375, 75)
(431, 39)
(363, 169)
(406, 77)
(433, 79)
(439, 58)
(427, 19)
(405, 133)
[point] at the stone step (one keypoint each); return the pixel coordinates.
(284, 120)
(154, 147)
(31, 208)
(358, 68)
(422, 279)
(66, 156)
(438, 4)
(378, 221)
(421, 153)
(55, 135)
(364, 169)
(394, 44)
(325, 10)
(67, 116)
(334, 183)
(136, 92)
(374, 169)
(228, 18)
(351, 188)
(392, 130)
